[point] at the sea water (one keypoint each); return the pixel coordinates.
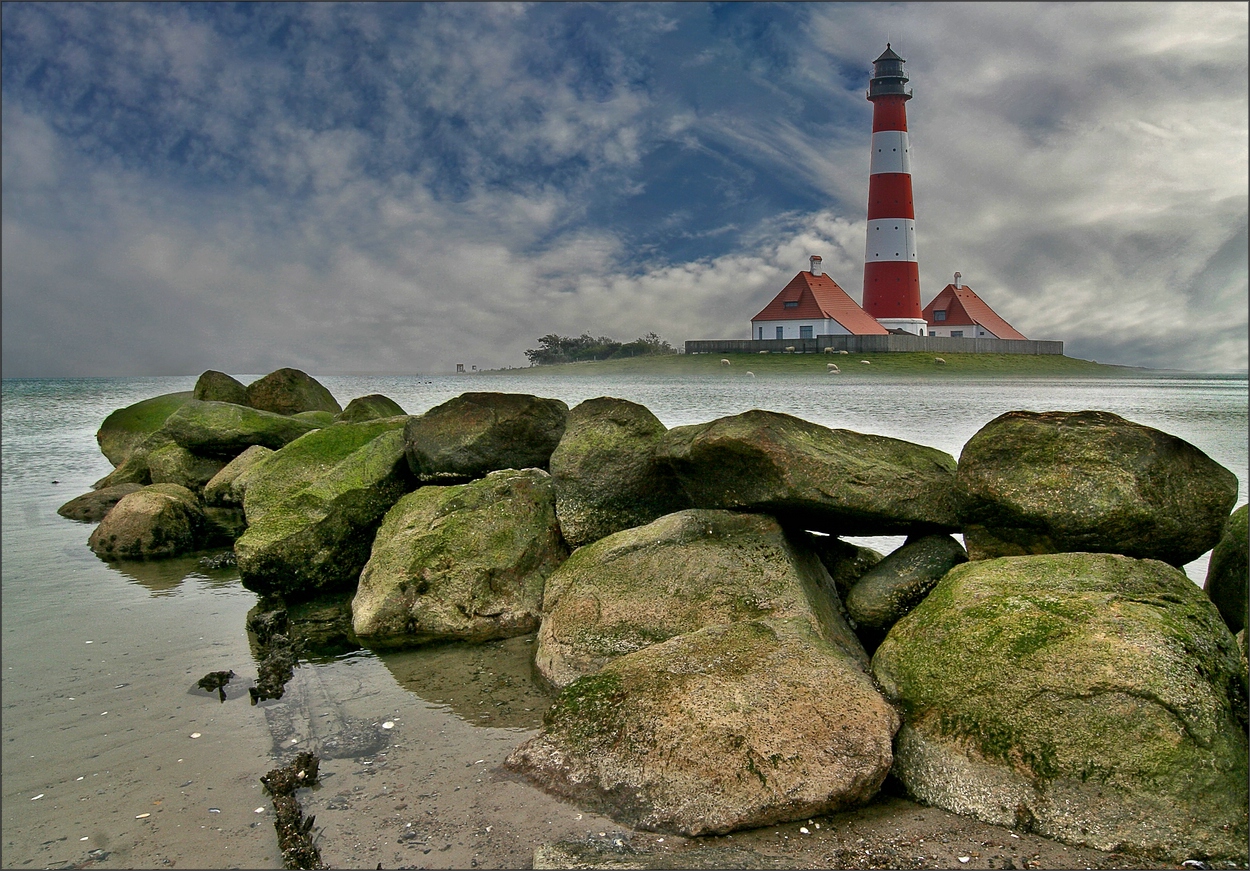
(111, 755)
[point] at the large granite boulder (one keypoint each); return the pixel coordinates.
(369, 407)
(127, 428)
(1228, 573)
(158, 521)
(91, 507)
(276, 477)
(174, 464)
(466, 561)
(1091, 698)
(899, 582)
(836, 481)
(476, 433)
(683, 572)
(605, 472)
(220, 489)
(316, 538)
(214, 386)
(732, 726)
(1058, 481)
(290, 391)
(226, 429)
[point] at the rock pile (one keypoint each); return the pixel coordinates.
(709, 631)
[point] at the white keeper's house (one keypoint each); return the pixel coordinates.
(959, 313)
(812, 305)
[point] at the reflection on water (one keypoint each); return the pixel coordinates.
(163, 577)
(490, 684)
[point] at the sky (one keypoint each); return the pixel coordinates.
(396, 188)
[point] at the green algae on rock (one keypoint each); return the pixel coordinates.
(682, 572)
(605, 471)
(476, 433)
(1057, 481)
(1091, 698)
(311, 523)
(158, 521)
(466, 561)
(835, 481)
(727, 727)
(127, 428)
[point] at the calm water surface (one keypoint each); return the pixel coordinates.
(99, 660)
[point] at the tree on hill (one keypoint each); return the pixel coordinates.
(566, 349)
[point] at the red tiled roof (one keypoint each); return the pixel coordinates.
(964, 308)
(819, 297)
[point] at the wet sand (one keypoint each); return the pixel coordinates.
(411, 745)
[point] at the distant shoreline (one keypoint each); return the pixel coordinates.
(851, 367)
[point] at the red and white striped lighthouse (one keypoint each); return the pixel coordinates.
(891, 272)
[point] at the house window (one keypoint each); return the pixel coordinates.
(805, 332)
(939, 315)
(957, 334)
(779, 335)
(794, 304)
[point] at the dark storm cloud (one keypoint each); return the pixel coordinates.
(398, 187)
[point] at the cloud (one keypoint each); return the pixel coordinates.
(400, 187)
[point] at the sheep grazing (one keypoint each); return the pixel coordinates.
(749, 372)
(939, 361)
(829, 351)
(725, 362)
(844, 352)
(790, 349)
(763, 352)
(832, 368)
(866, 362)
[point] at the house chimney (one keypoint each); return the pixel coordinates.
(957, 284)
(815, 264)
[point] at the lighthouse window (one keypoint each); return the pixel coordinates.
(939, 315)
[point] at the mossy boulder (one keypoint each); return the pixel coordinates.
(605, 471)
(317, 418)
(728, 727)
(1228, 573)
(1054, 482)
(316, 537)
(91, 507)
(899, 582)
(369, 407)
(845, 562)
(155, 522)
(127, 428)
(214, 386)
(464, 562)
(836, 481)
(274, 478)
(174, 464)
(290, 391)
(226, 429)
(680, 573)
(1091, 698)
(220, 489)
(476, 433)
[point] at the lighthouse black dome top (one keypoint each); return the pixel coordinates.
(888, 76)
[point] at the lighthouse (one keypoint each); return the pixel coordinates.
(891, 271)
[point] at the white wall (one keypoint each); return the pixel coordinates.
(790, 329)
(971, 331)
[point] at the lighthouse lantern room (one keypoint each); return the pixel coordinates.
(891, 270)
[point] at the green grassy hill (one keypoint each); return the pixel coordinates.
(919, 365)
